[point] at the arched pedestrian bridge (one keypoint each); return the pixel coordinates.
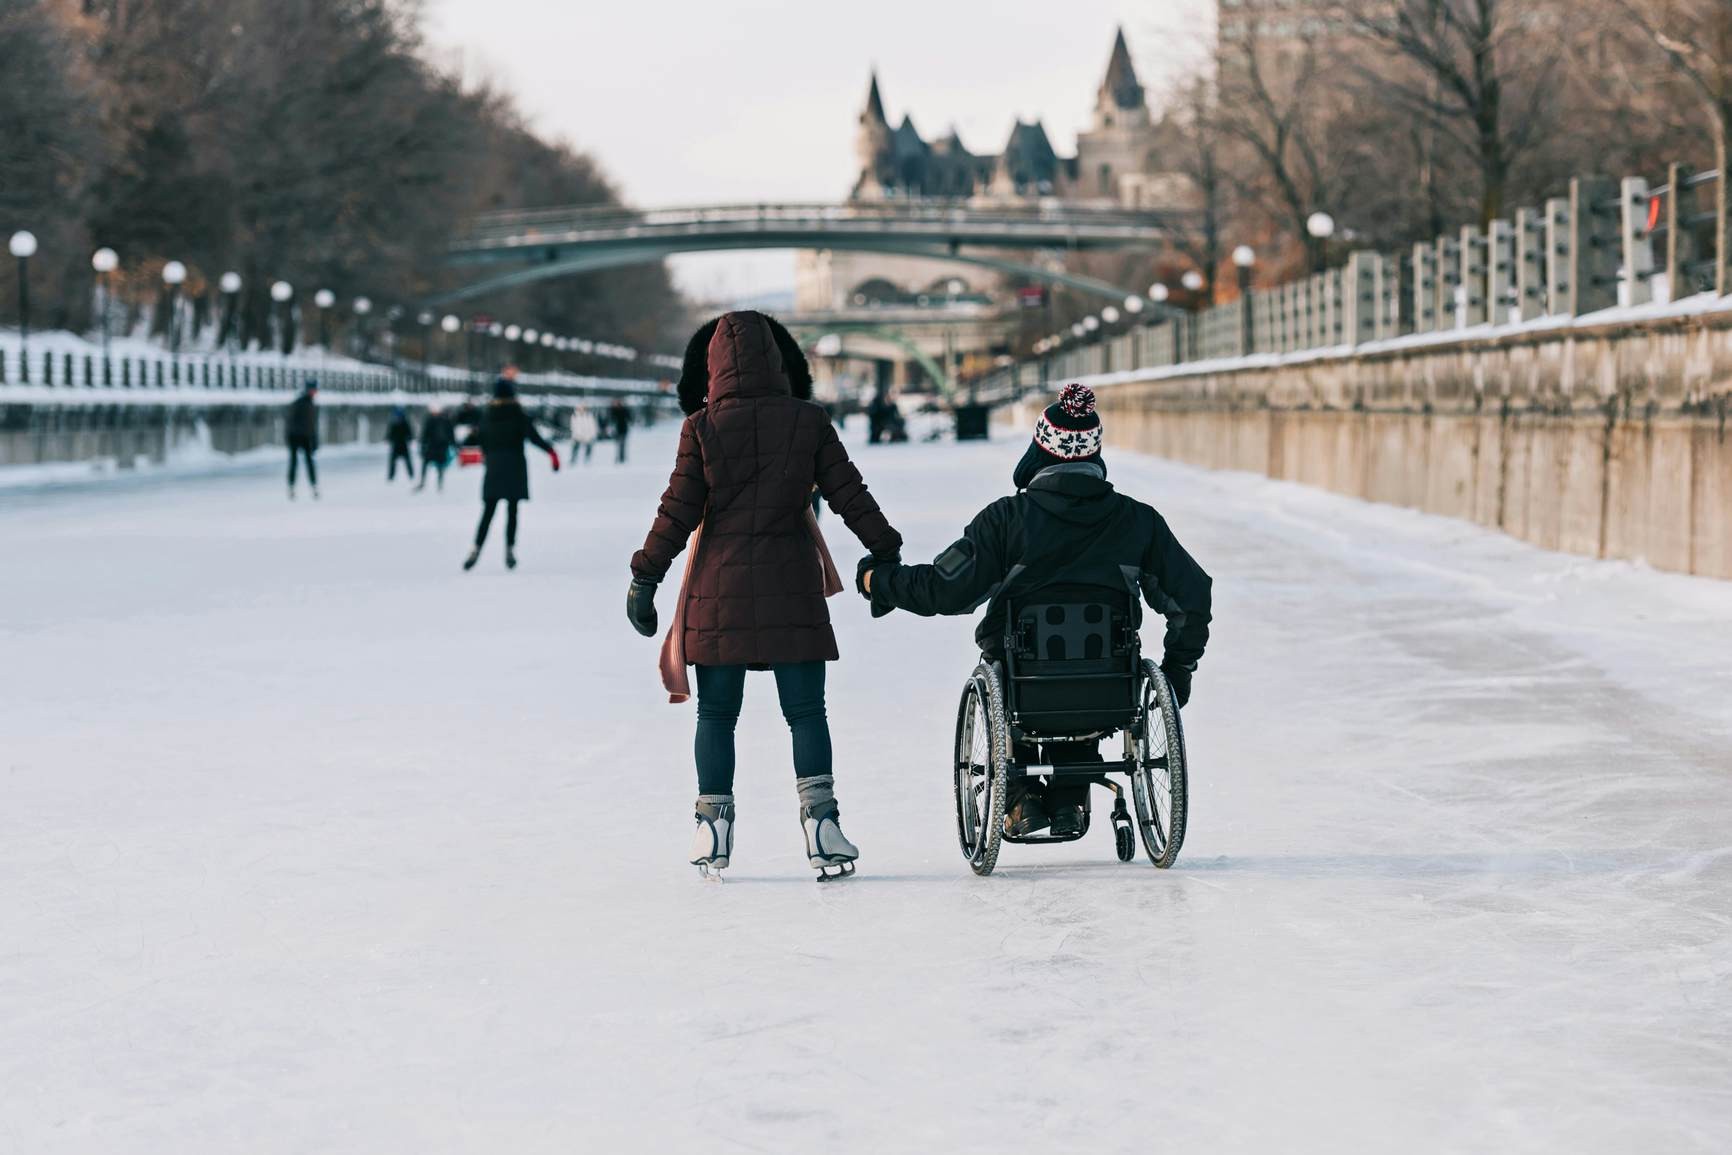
(557, 242)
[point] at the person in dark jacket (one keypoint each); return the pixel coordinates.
(438, 437)
(1065, 526)
(619, 419)
(504, 429)
(399, 433)
(302, 429)
(752, 447)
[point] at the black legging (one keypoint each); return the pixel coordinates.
(428, 465)
(487, 522)
(400, 453)
(720, 691)
(297, 447)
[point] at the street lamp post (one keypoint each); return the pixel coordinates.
(425, 319)
(282, 293)
(23, 246)
(324, 299)
(230, 284)
(1193, 283)
(174, 275)
(104, 261)
(1321, 226)
(449, 325)
(363, 306)
(1244, 258)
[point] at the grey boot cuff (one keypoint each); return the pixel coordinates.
(713, 806)
(817, 795)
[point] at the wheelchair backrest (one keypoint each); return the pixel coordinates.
(1071, 660)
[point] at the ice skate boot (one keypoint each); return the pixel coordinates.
(510, 558)
(713, 840)
(827, 849)
(474, 556)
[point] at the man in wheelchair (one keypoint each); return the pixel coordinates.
(1065, 529)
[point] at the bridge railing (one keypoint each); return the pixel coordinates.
(530, 226)
(1606, 245)
(123, 375)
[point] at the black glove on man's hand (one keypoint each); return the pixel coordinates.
(640, 607)
(1179, 677)
(860, 572)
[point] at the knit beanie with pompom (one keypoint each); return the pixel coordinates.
(1069, 430)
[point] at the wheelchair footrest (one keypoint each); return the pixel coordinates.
(1037, 839)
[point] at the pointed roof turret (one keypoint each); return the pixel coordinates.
(1121, 84)
(875, 103)
(908, 140)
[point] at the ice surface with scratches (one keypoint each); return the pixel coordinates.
(311, 842)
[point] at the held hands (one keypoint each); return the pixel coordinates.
(640, 607)
(863, 576)
(863, 581)
(1179, 677)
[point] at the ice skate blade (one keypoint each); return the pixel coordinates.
(710, 872)
(834, 871)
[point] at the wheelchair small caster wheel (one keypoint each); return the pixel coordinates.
(1124, 842)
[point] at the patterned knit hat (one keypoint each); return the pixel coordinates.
(1070, 429)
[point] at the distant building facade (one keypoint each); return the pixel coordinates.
(1117, 162)
(1113, 155)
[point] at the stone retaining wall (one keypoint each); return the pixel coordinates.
(1609, 441)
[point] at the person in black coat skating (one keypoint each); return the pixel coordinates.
(504, 429)
(619, 417)
(1065, 527)
(438, 437)
(302, 434)
(399, 433)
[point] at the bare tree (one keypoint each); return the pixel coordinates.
(1282, 123)
(1197, 156)
(1695, 37)
(1479, 72)
(303, 140)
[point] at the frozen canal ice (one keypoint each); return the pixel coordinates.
(310, 842)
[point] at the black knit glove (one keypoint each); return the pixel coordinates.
(1179, 677)
(865, 567)
(640, 607)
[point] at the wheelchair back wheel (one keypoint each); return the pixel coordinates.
(982, 749)
(1158, 785)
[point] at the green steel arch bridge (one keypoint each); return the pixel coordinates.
(548, 243)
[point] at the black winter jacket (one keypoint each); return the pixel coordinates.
(303, 422)
(504, 428)
(1070, 528)
(438, 434)
(399, 432)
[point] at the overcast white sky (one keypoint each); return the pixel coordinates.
(703, 101)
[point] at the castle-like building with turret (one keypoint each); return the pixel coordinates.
(1117, 162)
(1114, 157)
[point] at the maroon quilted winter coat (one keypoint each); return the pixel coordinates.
(747, 463)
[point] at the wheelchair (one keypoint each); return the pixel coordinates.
(1071, 675)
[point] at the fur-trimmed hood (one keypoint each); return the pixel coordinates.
(696, 370)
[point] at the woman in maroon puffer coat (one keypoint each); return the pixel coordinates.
(751, 450)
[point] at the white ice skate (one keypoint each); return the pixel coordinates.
(713, 840)
(827, 848)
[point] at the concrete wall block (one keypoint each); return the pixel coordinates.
(1671, 493)
(1711, 501)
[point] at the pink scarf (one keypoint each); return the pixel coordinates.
(673, 659)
